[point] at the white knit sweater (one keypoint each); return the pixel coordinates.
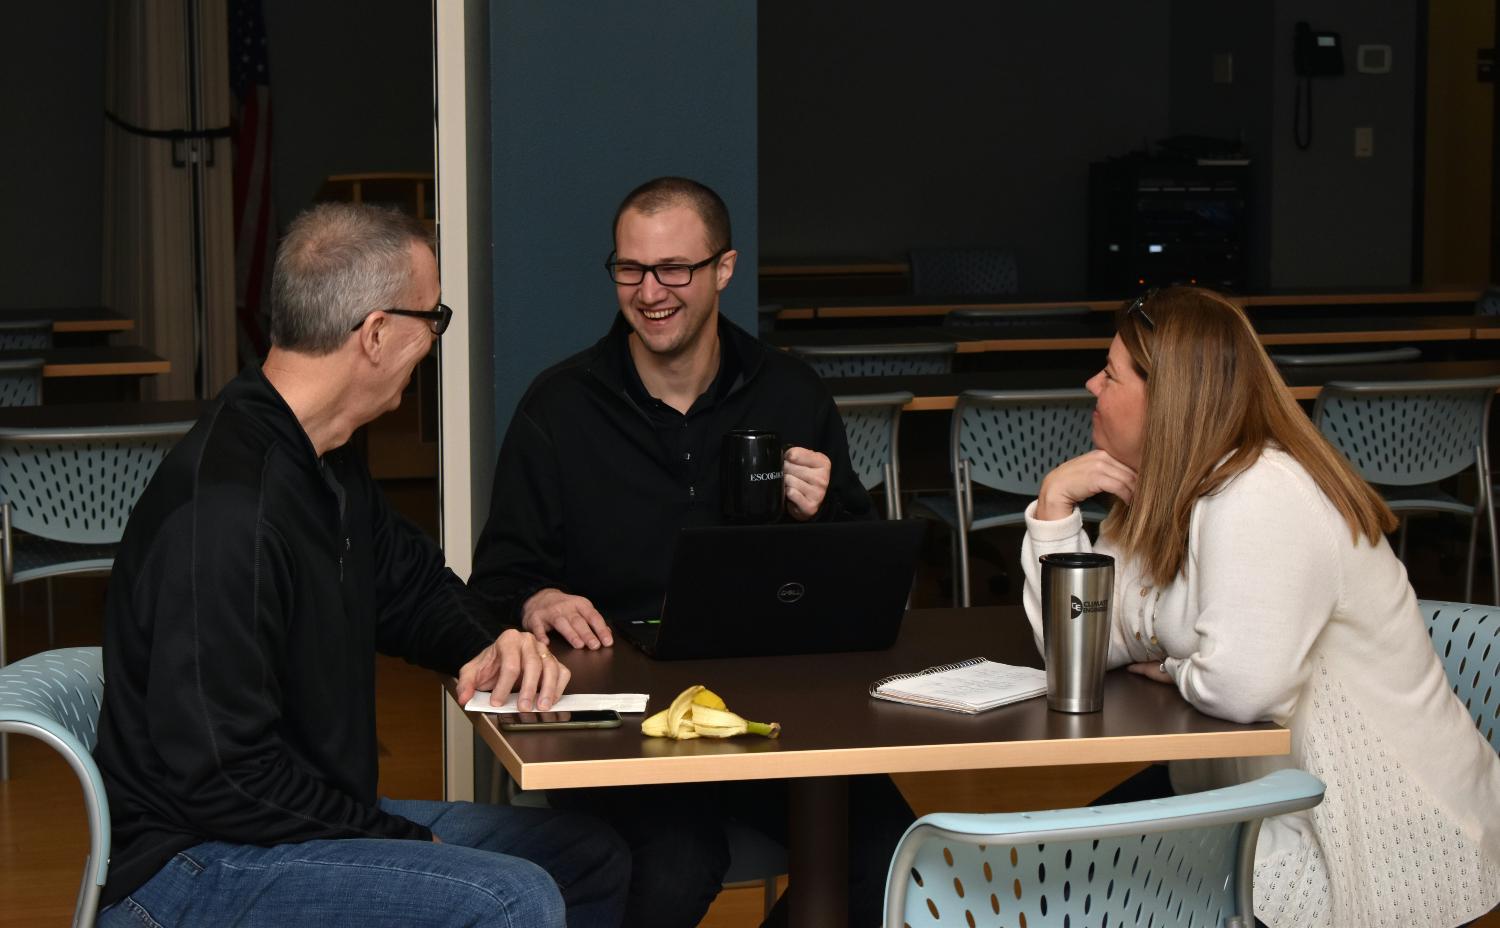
(1281, 615)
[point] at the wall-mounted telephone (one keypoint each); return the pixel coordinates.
(1317, 54)
(1314, 54)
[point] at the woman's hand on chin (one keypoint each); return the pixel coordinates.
(1072, 482)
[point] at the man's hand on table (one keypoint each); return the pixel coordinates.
(516, 660)
(572, 617)
(805, 474)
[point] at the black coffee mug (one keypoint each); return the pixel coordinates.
(750, 482)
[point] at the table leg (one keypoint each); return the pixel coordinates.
(819, 852)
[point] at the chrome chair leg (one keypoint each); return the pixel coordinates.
(1469, 561)
(51, 627)
(4, 738)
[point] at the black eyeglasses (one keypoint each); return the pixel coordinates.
(1138, 305)
(437, 319)
(629, 273)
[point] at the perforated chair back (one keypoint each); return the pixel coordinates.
(1011, 439)
(21, 382)
(1185, 860)
(997, 316)
(1467, 641)
(25, 334)
(1407, 433)
(55, 697)
(878, 360)
(1378, 356)
(1488, 303)
(963, 272)
(872, 425)
(80, 485)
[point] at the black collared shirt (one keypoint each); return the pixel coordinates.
(684, 435)
(596, 477)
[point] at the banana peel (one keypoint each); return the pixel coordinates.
(699, 712)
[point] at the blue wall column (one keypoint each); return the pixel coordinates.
(587, 101)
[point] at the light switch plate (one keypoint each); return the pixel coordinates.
(1373, 59)
(1364, 142)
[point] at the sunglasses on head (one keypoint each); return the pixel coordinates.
(1138, 306)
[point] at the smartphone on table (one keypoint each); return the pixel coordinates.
(539, 721)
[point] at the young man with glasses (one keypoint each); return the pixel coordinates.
(621, 442)
(259, 574)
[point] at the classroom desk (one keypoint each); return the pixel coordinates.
(73, 318)
(95, 361)
(940, 391)
(832, 729)
(896, 307)
(1095, 333)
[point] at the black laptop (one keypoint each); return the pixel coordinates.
(756, 591)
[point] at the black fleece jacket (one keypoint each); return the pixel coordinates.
(595, 477)
(251, 591)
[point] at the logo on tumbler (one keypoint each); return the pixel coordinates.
(768, 475)
(791, 592)
(1077, 607)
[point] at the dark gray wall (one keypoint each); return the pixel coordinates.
(351, 91)
(52, 162)
(1241, 109)
(1337, 220)
(587, 101)
(886, 125)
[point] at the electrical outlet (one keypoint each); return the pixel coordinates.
(1364, 142)
(1224, 68)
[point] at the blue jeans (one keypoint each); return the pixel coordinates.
(497, 865)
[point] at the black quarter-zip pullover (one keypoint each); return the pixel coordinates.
(596, 477)
(252, 589)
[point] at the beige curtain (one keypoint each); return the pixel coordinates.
(148, 221)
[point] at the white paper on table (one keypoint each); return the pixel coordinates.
(570, 702)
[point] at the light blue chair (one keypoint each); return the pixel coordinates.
(894, 360)
(1373, 356)
(872, 424)
(1004, 442)
(65, 496)
(993, 317)
(25, 334)
(1467, 641)
(1185, 860)
(963, 272)
(55, 697)
(1405, 437)
(21, 382)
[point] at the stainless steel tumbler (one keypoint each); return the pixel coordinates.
(1076, 597)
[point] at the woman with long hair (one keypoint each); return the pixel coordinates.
(1253, 574)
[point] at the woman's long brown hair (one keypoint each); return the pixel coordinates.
(1214, 401)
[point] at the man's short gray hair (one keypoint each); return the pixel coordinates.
(338, 263)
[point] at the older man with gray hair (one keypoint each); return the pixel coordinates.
(259, 575)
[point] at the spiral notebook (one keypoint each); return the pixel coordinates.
(969, 686)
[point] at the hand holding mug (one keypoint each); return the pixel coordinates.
(1072, 482)
(805, 475)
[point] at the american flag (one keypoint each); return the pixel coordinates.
(254, 211)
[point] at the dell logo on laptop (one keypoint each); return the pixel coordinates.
(790, 592)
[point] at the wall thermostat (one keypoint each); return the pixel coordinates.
(1373, 59)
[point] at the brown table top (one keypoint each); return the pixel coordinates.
(74, 318)
(940, 391)
(95, 415)
(831, 726)
(95, 361)
(899, 306)
(1095, 333)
